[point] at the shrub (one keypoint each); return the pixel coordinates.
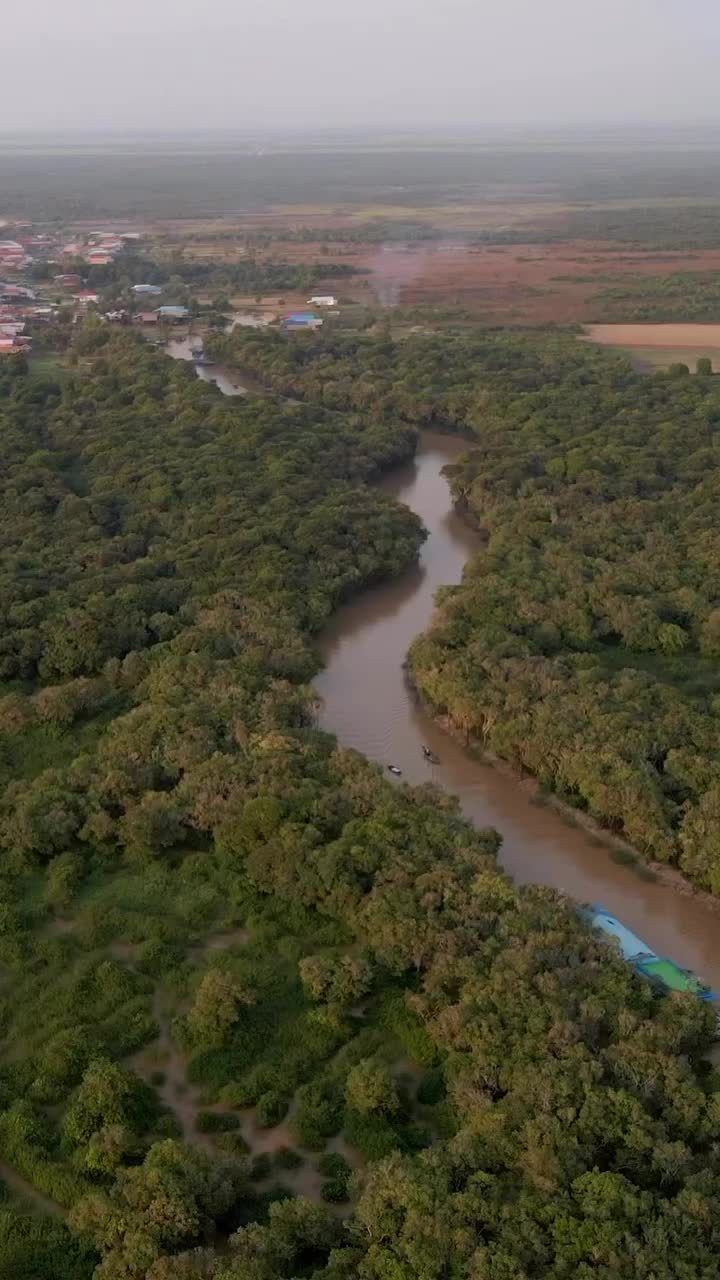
(410, 1031)
(261, 1167)
(233, 1143)
(238, 1094)
(335, 1191)
(373, 1136)
(277, 1192)
(333, 1165)
(158, 958)
(270, 1110)
(431, 1089)
(371, 1088)
(415, 1136)
(288, 1158)
(319, 1114)
(216, 1121)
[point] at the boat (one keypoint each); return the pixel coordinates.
(660, 970)
(430, 756)
(394, 769)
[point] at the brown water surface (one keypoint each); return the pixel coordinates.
(369, 706)
(229, 381)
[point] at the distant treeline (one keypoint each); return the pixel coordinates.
(682, 295)
(654, 226)
(165, 182)
(374, 231)
(249, 275)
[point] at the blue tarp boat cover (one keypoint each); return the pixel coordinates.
(630, 945)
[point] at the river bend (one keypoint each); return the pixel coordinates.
(369, 705)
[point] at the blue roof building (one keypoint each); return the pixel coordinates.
(302, 320)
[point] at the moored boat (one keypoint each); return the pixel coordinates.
(660, 970)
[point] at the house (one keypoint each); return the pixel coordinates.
(12, 255)
(10, 344)
(12, 328)
(323, 300)
(147, 317)
(302, 320)
(68, 280)
(152, 289)
(15, 292)
(85, 297)
(173, 313)
(99, 259)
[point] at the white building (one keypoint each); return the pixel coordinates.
(323, 300)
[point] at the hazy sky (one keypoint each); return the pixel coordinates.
(234, 64)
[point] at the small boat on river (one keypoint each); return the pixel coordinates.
(394, 769)
(660, 970)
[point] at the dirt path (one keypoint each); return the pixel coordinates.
(220, 942)
(175, 1091)
(15, 1182)
(306, 1180)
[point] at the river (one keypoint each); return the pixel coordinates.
(368, 705)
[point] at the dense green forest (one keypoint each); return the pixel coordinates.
(216, 925)
(583, 643)
(682, 295)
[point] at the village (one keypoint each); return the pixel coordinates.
(50, 276)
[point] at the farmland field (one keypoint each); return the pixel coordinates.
(659, 345)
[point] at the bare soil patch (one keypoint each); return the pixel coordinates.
(657, 346)
(519, 283)
(688, 337)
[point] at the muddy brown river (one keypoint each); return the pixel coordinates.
(368, 705)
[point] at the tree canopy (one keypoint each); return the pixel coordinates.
(215, 921)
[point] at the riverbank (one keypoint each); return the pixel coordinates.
(572, 816)
(629, 856)
(368, 705)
